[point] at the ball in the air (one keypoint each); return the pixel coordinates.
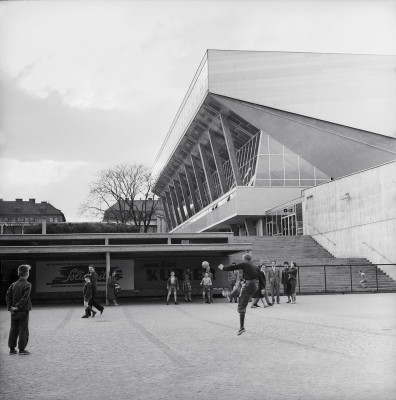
(205, 264)
(225, 293)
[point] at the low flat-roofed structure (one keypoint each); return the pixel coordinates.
(143, 261)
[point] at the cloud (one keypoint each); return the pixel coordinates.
(126, 55)
(41, 173)
(33, 128)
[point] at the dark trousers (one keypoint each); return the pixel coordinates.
(275, 290)
(286, 289)
(19, 329)
(94, 303)
(249, 288)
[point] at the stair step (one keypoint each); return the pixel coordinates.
(311, 258)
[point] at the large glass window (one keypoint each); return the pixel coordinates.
(263, 171)
(279, 166)
(306, 170)
(291, 167)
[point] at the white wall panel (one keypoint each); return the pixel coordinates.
(353, 90)
(363, 225)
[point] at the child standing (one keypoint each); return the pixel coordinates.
(87, 290)
(172, 284)
(20, 305)
(364, 279)
(187, 285)
(206, 284)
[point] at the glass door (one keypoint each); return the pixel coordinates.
(270, 228)
(288, 225)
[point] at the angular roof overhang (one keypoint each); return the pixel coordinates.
(335, 149)
(207, 118)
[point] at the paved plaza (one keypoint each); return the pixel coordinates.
(323, 347)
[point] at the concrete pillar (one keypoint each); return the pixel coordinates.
(44, 226)
(170, 209)
(250, 228)
(208, 175)
(198, 179)
(174, 203)
(167, 218)
(190, 183)
(184, 187)
(179, 198)
(231, 150)
(219, 164)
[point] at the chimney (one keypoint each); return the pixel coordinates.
(32, 200)
(18, 199)
(43, 202)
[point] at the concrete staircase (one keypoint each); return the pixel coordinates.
(319, 271)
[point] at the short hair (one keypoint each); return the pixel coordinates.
(87, 276)
(294, 263)
(91, 266)
(23, 270)
(285, 263)
(247, 257)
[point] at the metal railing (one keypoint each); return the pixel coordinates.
(372, 249)
(344, 278)
(320, 233)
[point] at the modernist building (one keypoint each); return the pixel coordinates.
(255, 129)
(15, 215)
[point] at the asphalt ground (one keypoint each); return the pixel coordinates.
(323, 347)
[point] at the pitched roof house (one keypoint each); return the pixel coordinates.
(18, 213)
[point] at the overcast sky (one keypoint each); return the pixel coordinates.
(89, 84)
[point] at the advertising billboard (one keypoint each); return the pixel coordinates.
(68, 276)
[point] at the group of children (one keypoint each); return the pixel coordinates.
(172, 285)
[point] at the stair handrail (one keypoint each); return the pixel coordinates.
(387, 259)
(322, 234)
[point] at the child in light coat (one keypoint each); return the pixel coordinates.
(206, 284)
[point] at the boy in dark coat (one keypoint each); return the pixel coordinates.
(252, 279)
(19, 304)
(93, 276)
(87, 290)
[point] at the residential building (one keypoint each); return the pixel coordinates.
(15, 215)
(150, 210)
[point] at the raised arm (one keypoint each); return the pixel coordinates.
(231, 267)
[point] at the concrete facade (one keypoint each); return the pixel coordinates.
(355, 216)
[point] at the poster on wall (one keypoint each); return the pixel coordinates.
(152, 274)
(68, 276)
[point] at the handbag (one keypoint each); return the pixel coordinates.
(117, 288)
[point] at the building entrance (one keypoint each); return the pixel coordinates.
(288, 225)
(270, 228)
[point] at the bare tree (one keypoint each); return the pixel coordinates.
(123, 194)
